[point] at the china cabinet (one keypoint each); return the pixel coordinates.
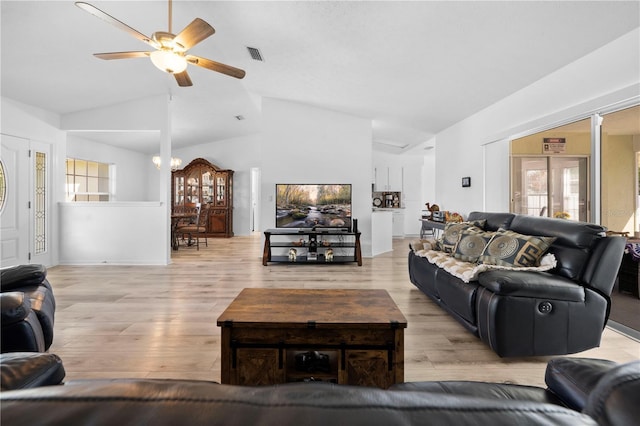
(203, 182)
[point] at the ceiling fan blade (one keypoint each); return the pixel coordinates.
(113, 21)
(121, 55)
(194, 33)
(183, 79)
(216, 66)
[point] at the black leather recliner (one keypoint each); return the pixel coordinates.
(533, 313)
(27, 308)
(579, 391)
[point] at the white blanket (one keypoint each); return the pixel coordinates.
(467, 271)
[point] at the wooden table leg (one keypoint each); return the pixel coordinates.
(266, 253)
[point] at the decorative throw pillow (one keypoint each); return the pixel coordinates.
(471, 244)
(451, 233)
(508, 248)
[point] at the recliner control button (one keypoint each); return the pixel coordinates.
(545, 307)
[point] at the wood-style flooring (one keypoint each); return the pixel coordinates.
(160, 321)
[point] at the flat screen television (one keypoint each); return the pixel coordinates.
(313, 206)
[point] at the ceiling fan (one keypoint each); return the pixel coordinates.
(171, 50)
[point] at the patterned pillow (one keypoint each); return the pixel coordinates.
(471, 244)
(508, 248)
(451, 233)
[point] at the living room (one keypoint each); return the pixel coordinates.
(456, 150)
(127, 264)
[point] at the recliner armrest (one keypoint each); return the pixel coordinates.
(14, 277)
(21, 329)
(15, 306)
(614, 400)
(573, 379)
(535, 284)
(23, 370)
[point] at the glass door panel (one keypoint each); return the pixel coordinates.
(207, 188)
(529, 185)
(179, 190)
(550, 186)
(620, 135)
(568, 188)
(220, 188)
(193, 188)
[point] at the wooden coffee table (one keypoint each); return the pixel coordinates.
(346, 336)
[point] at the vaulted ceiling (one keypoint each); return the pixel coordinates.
(414, 68)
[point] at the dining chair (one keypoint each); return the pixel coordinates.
(198, 229)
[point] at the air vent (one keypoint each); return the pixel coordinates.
(255, 54)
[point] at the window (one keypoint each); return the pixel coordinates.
(87, 180)
(40, 202)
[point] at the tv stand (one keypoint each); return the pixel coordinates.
(345, 246)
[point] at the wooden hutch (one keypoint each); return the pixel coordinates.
(203, 182)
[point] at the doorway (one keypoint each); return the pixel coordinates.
(254, 214)
(25, 211)
(550, 186)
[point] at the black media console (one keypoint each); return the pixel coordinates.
(304, 246)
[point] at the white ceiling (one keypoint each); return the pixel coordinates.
(413, 68)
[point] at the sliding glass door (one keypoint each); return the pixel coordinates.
(550, 186)
(551, 176)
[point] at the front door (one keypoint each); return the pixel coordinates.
(25, 211)
(14, 213)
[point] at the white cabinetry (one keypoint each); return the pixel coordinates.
(398, 224)
(395, 178)
(381, 230)
(380, 174)
(388, 178)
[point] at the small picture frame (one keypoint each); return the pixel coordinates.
(466, 182)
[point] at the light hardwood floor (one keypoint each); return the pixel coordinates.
(160, 321)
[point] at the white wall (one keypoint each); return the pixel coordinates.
(112, 233)
(608, 75)
(122, 232)
(304, 144)
(132, 167)
(240, 155)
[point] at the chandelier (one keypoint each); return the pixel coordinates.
(175, 162)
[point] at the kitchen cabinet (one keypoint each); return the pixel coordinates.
(388, 178)
(397, 228)
(381, 230)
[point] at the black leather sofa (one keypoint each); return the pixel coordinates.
(580, 392)
(532, 313)
(27, 308)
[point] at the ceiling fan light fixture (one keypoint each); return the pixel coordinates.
(169, 61)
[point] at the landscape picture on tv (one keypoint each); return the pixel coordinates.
(313, 206)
